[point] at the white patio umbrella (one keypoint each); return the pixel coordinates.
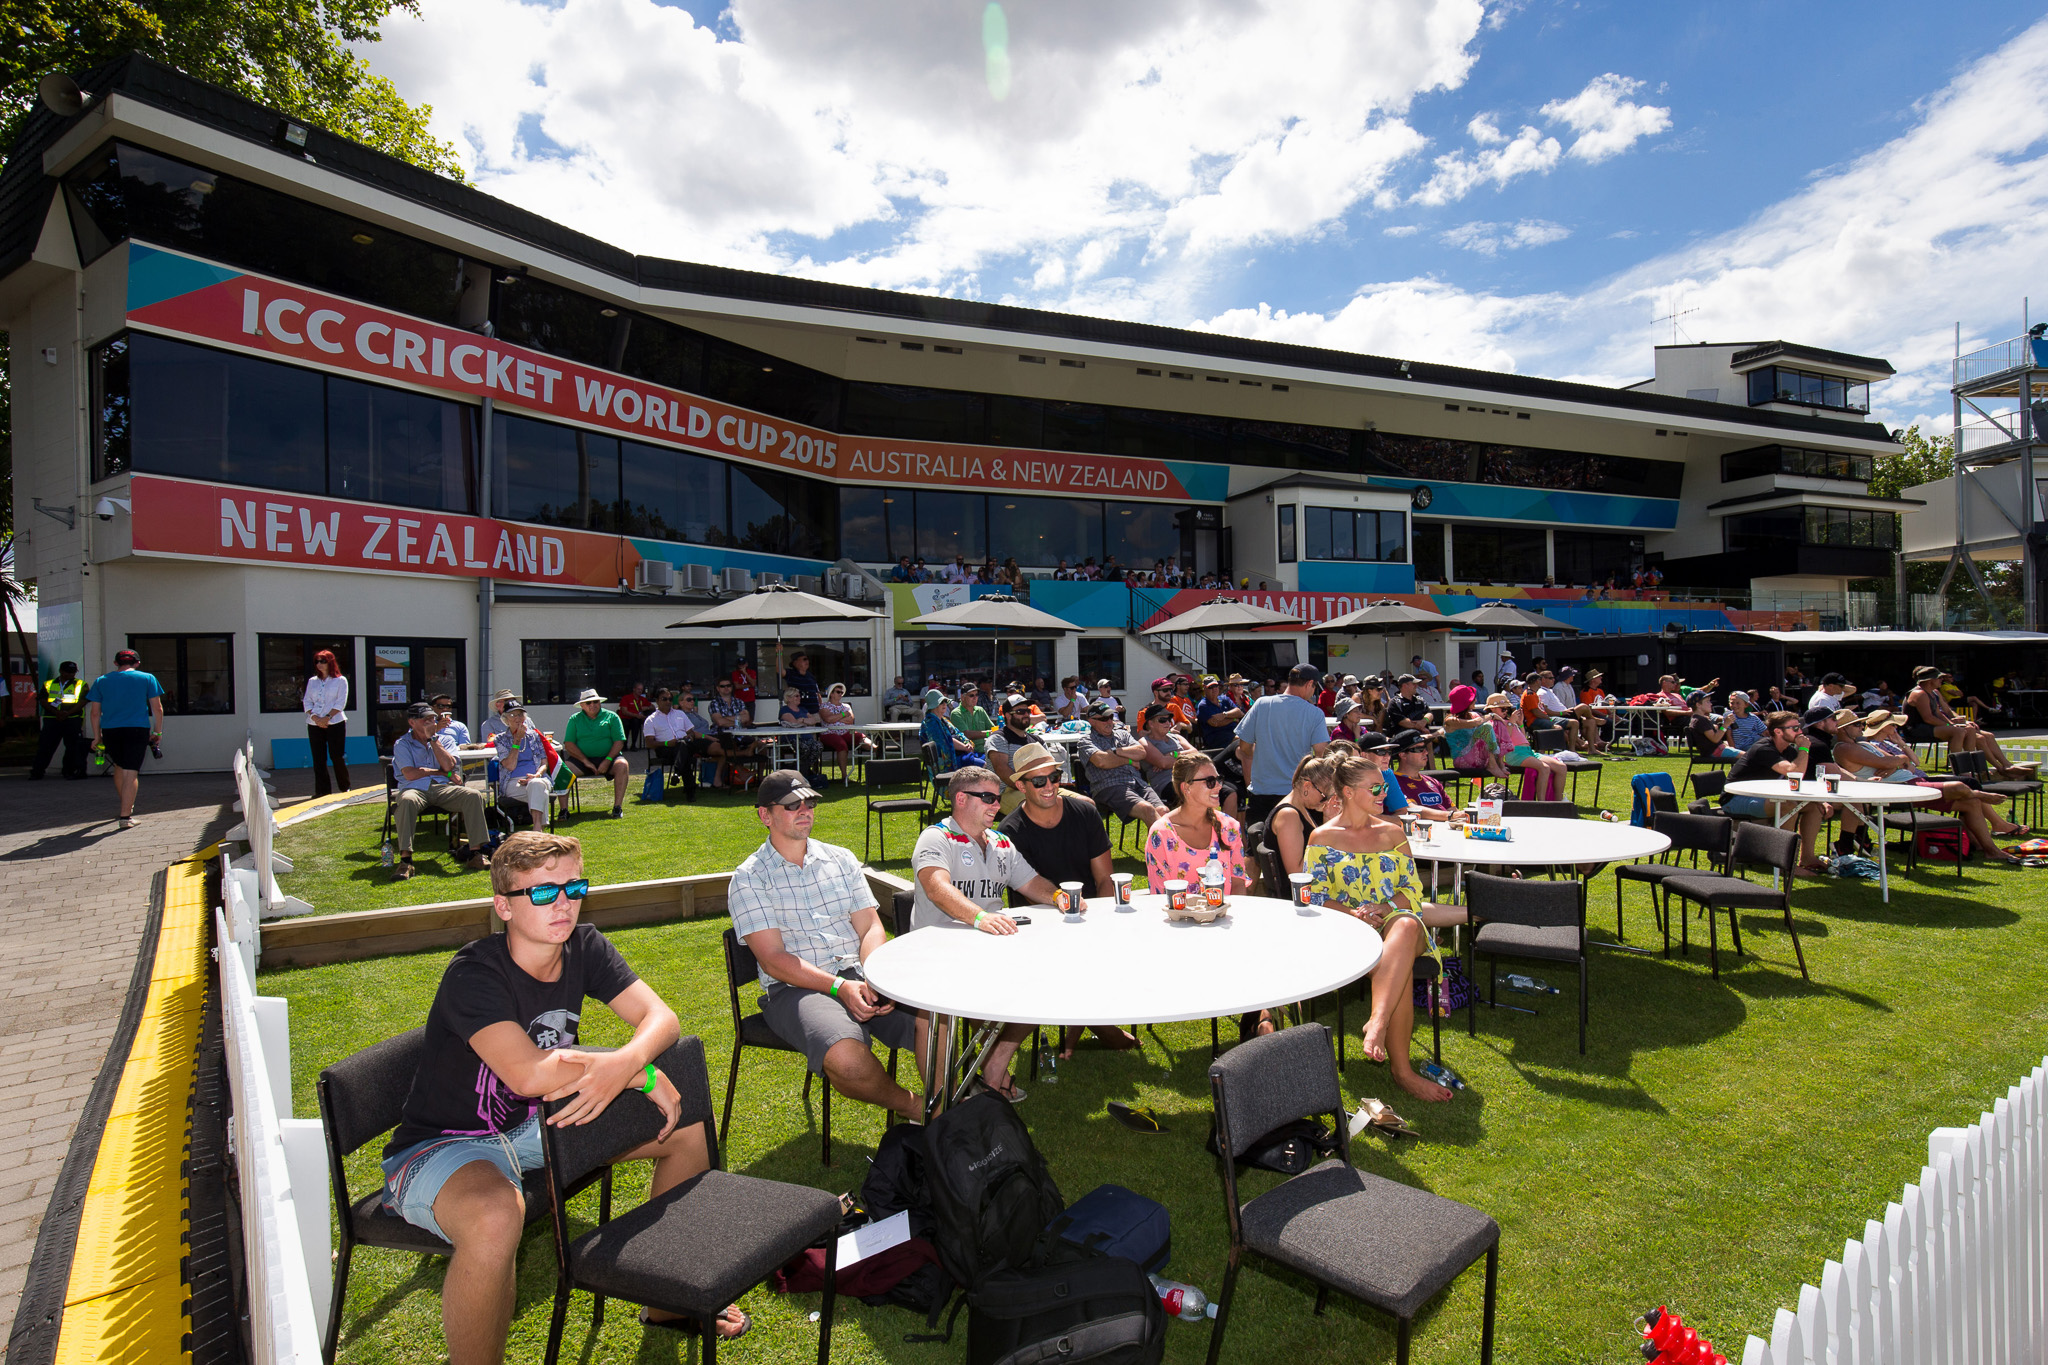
(1384, 619)
(777, 605)
(1222, 616)
(1498, 618)
(1002, 616)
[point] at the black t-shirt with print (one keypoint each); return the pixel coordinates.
(1062, 853)
(1758, 763)
(453, 1092)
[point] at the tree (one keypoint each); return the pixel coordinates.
(1923, 460)
(294, 56)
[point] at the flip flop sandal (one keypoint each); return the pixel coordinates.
(690, 1324)
(405, 871)
(1137, 1120)
(2035, 860)
(1376, 1116)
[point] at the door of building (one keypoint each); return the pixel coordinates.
(403, 671)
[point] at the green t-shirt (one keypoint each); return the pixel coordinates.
(974, 723)
(594, 738)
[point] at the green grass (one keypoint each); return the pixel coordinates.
(1718, 1142)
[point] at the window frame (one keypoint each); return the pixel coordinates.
(308, 646)
(177, 701)
(1284, 533)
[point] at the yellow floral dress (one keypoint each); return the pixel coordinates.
(1356, 880)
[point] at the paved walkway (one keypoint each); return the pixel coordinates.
(82, 891)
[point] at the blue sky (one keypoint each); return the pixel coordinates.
(1522, 186)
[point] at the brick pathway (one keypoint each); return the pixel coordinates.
(81, 892)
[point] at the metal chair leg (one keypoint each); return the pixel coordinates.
(1223, 1307)
(1486, 1318)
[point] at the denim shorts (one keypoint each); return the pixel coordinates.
(413, 1178)
(1745, 805)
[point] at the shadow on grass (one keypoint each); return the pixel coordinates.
(1944, 905)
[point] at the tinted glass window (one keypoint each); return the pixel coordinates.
(390, 445)
(1039, 532)
(1498, 554)
(1076, 426)
(202, 414)
(197, 672)
(950, 524)
(1286, 533)
(1138, 533)
(663, 353)
(1316, 522)
(527, 312)
(553, 475)
(864, 525)
(766, 383)
(110, 409)
(1016, 422)
(915, 414)
(129, 191)
(284, 662)
(670, 495)
(1429, 552)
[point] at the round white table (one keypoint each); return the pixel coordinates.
(1877, 795)
(1125, 966)
(1539, 841)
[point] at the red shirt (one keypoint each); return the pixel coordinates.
(743, 684)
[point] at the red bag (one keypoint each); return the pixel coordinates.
(1942, 845)
(878, 1274)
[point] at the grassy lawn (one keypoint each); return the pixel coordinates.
(1718, 1142)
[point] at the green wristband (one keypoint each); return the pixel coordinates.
(648, 1089)
(834, 989)
(979, 916)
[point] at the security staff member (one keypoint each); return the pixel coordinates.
(63, 711)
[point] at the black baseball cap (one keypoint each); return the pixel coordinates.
(1815, 715)
(421, 710)
(1303, 673)
(782, 785)
(1100, 710)
(1413, 739)
(1373, 742)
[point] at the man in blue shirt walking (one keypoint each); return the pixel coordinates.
(1275, 735)
(125, 713)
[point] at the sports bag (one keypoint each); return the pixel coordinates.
(991, 1195)
(655, 786)
(1118, 1222)
(1091, 1308)
(1941, 845)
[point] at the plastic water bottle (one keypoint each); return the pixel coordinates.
(99, 755)
(156, 747)
(1528, 985)
(1212, 882)
(387, 853)
(1442, 1075)
(1182, 1301)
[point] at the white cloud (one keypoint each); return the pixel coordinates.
(1877, 257)
(1401, 230)
(1485, 131)
(1607, 121)
(1490, 239)
(1457, 174)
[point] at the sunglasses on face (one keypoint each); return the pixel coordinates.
(794, 806)
(1043, 780)
(1212, 782)
(992, 798)
(545, 893)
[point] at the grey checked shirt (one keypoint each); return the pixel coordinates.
(812, 905)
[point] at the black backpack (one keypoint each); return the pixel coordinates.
(1083, 1307)
(896, 1179)
(991, 1196)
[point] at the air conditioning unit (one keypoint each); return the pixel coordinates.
(766, 577)
(698, 577)
(657, 575)
(737, 580)
(853, 586)
(810, 583)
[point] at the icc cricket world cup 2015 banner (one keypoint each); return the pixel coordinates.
(181, 296)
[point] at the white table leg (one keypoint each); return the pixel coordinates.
(1884, 884)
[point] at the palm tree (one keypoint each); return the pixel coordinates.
(14, 592)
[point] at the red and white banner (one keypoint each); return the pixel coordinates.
(213, 521)
(255, 313)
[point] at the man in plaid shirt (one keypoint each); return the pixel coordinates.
(805, 910)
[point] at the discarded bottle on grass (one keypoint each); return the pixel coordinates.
(1442, 1075)
(387, 853)
(1182, 1301)
(1528, 985)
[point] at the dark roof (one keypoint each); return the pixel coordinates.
(1806, 492)
(1768, 350)
(25, 191)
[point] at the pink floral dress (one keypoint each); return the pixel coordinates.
(1169, 858)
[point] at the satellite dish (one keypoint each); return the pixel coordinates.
(61, 95)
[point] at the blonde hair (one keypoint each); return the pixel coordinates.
(527, 850)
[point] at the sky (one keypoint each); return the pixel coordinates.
(1533, 186)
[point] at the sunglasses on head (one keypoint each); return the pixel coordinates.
(992, 798)
(1042, 780)
(545, 893)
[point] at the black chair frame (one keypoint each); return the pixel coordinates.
(1478, 885)
(891, 772)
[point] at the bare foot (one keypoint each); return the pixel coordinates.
(732, 1322)
(1265, 1024)
(1420, 1086)
(1115, 1039)
(1373, 1041)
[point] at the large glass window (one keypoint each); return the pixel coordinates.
(1141, 533)
(284, 662)
(915, 414)
(197, 672)
(1831, 526)
(781, 514)
(554, 475)
(1102, 656)
(391, 445)
(1429, 552)
(1588, 557)
(1815, 464)
(1284, 533)
(112, 444)
(126, 191)
(946, 662)
(672, 495)
(1040, 532)
(950, 524)
(1498, 554)
(1781, 384)
(555, 671)
(1355, 534)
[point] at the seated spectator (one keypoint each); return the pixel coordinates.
(1183, 840)
(1162, 695)
(1040, 695)
(952, 749)
(1421, 792)
(897, 703)
(1784, 751)
(634, 705)
(1072, 700)
(962, 866)
(1468, 734)
(1216, 717)
(1008, 739)
(1557, 708)
(1594, 709)
(452, 732)
(1832, 692)
(1512, 744)
(673, 742)
(903, 573)
(730, 718)
(429, 774)
(805, 910)
(1291, 822)
(494, 724)
(1870, 750)
(1352, 720)
(810, 752)
(840, 739)
(592, 745)
(969, 718)
(1745, 726)
(1163, 747)
(1707, 735)
(525, 768)
(744, 682)
(1877, 696)
(1362, 865)
(1406, 710)
(1113, 760)
(1105, 693)
(501, 1035)
(1182, 700)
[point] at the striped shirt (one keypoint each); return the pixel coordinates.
(812, 905)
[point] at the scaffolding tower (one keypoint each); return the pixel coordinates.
(2000, 397)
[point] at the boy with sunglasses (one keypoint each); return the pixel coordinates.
(500, 1039)
(805, 910)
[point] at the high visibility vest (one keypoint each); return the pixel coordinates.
(64, 699)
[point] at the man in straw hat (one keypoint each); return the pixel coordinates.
(593, 745)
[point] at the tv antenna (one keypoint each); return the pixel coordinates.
(1672, 317)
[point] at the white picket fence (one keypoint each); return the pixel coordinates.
(281, 1161)
(1956, 1273)
(259, 830)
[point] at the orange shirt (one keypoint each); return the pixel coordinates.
(1183, 709)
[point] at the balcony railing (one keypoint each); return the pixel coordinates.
(2010, 354)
